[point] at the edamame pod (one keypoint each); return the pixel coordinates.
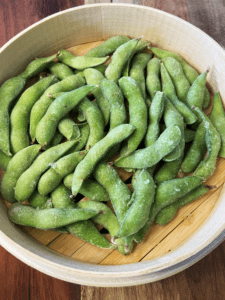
(155, 113)
(138, 213)
(189, 72)
(57, 110)
(84, 134)
(141, 45)
(166, 193)
(189, 135)
(217, 118)
(175, 71)
(41, 106)
(28, 181)
(90, 189)
(167, 213)
(114, 96)
(20, 115)
(108, 46)
(86, 166)
(55, 140)
(119, 59)
(93, 76)
(106, 219)
(37, 65)
(169, 89)
(95, 121)
(147, 157)
(139, 63)
(195, 94)
(137, 114)
(168, 171)
(100, 68)
(173, 117)
(152, 80)
(196, 152)
(39, 201)
(47, 218)
(62, 167)
(9, 90)
(79, 62)
(4, 160)
(16, 167)
(60, 70)
(119, 194)
(69, 129)
(213, 144)
(84, 230)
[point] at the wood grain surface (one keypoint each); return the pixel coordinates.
(205, 279)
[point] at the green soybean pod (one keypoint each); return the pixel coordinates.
(168, 171)
(16, 167)
(139, 63)
(189, 135)
(167, 213)
(90, 189)
(41, 106)
(107, 219)
(138, 213)
(38, 65)
(95, 121)
(93, 76)
(118, 191)
(148, 157)
(213, 143)
(173, 117)
(9, 90)
(55, 140)
(62, 105)
(39, 201)
(119, 194)
(114, 96)
(169, 89)
(69, 129)
(80, 62)
(152, 80)
(47, 218)
(196, 152)
(119, 59)
(84, 134)
(58, 170)
(84, 230)
(141, 45)
(179, 79)
(61, 71)
(28, 181)
(108, 46)
(86, 166)
(155, 113)
(166, 193)
(189, 71)
(217, 117)
(20, 115)
(100, 68)
(4, 160)
(195, 94)
(137, 114)
(61, 198)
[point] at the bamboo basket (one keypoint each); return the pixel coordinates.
(198, 227)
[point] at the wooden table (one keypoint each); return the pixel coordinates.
(205, 279)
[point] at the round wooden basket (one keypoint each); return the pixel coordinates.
(198, 227)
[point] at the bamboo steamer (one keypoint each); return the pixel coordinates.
(198, 227)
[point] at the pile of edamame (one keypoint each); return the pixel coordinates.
(141, 110)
